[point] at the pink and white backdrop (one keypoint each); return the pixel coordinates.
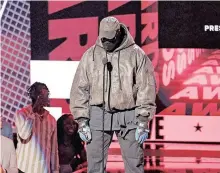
(44, 41)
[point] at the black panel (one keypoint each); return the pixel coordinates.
(181, 24)
(39, 30)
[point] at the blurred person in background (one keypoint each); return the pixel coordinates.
(8, 160)
(72, 154)
(6, 129)
(37, 149)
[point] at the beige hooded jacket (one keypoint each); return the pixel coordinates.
(132, 80)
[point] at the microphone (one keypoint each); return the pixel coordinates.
(104, 62)
(109, 66)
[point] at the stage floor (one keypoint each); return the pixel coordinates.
(172, 158)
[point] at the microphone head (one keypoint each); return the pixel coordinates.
(109, 66)
(104, 61)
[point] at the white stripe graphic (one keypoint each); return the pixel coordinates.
(56, 112)
(57, 75)
(182, 128)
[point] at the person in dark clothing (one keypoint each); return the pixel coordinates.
(72, 154)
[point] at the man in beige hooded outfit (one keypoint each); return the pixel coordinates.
(129, 96)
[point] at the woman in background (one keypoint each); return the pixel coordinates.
(72, 154)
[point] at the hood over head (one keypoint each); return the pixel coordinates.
(108, 29)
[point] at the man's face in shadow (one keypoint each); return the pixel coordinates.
(45, 97)
(111, 44)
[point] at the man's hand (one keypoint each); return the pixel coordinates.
(2, 170)
(141, 133)
(39, 104)
(84, 130)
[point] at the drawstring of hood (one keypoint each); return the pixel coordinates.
(93, 53)
(106, 80)
(119, 76)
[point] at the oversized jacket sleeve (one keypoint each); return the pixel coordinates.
(146, 86)
(23, 124)
(79, 95)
